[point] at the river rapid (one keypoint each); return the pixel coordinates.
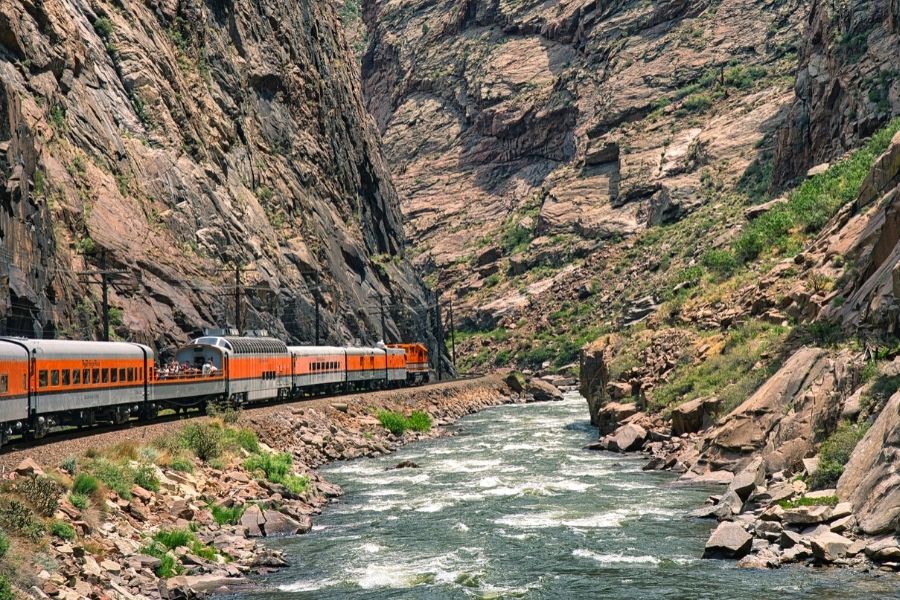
(512, 506)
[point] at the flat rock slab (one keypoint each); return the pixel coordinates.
(830, 546)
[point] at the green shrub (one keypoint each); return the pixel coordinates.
(297, 484)
(273, 466)
(721, 261)
(42, 493)
(145, 476)
(168, 566)
(834, 454)
(173, 538)
(62, 530)
(85, 484)
(6, 592)
(419, 421)
(4, 543)
(805, 501)
(15, 516)
(228, 515)
(392, 421)
(204, 440)
(234, 437)
(698, 102)
(104, 28)
(118, 478)
(182, 464)
(79, 501)
(69, 465)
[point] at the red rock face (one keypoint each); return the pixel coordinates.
(178, 137)
(847, 85)
(553, 129)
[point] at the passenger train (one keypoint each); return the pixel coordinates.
(50, 383)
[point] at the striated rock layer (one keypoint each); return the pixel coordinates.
(847, 86)
(176, 138)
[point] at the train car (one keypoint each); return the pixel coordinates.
(366, 368)
(73, 382)
(197, 374)
(255, 368)
(417, 369)
(396, 366)
(318, 369)
(13, 388)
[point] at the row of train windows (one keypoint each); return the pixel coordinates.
(268, 375)
(325, 366)
(57, 377)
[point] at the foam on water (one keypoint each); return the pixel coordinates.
(614, 558)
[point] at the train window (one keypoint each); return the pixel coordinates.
(76, 377)
(114, 375)
(130, 373)
(42, 379)
(95, 376)
(121, 374)
(66, 377)
(4, 383)
(54, 377)
(104, 376)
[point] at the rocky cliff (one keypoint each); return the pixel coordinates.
(173, 139)
(528, 136)
(847, 84)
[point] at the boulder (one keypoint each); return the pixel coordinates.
(611, 415)
(253, 521)
(515, 384)
(618, 390)
(29, 466)
(629, 438)
(807, 515)
(746, 482)
(542, 391)
(759, 210)
(405, 464)
(830, 546)
(279, 524)
(871, 478)
(191, 587)
(694, 415)
(729, 540)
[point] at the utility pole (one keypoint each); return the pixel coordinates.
(381, 308)
(440, 338)
(105, 276)
(316, 297)
(452, 333)
(237, 297)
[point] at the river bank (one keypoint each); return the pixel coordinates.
(511, 506)
(785, 496)
(176, 511)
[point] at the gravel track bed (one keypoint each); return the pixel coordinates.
(53, 452)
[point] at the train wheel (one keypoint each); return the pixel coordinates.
(119, 415)
(149, 411)
(40, 428)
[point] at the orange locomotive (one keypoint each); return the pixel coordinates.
(46, 383)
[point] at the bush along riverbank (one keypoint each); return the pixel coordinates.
(181, 515)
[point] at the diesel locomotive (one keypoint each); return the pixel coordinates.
(52, 383)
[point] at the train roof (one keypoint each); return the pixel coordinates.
(244, 345)
(81, 349)
(363, 351)
(315, 350)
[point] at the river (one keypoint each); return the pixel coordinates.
(512, 506)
